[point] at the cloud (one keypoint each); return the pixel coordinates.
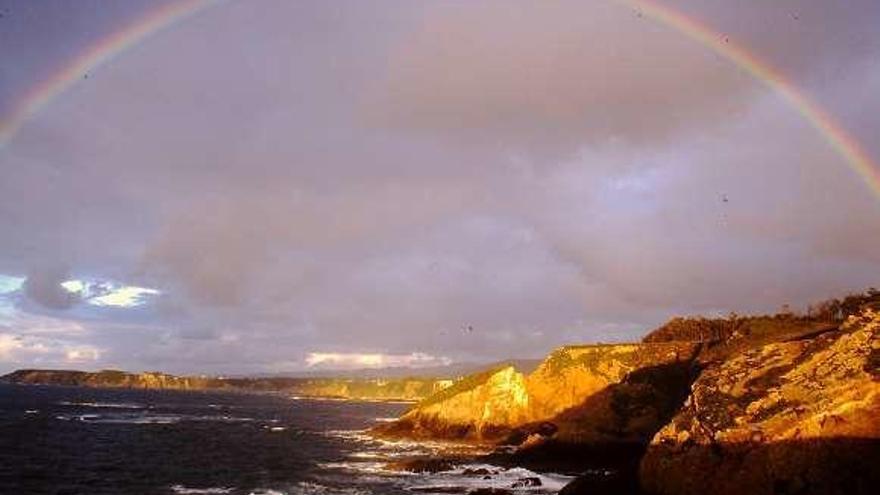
(25, 323)
(43, 286)
(82, 354)
(126, 296)
(215, 249)
(27, 350)
(375, 180)
(377, 360)
(109, 294)
(554, 72)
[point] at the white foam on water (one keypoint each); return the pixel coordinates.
(385, 420)
(182, 490)
(371, 462)
(77, 417)
(138, 418)
(360, 467)
(456, 480)
(104, 405)
(119, 419)
(357, 435)
(311, 488)
(32, 411)
(222, 418)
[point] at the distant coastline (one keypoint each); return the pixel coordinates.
(393, 389)
(782, 403)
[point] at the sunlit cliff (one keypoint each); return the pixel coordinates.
(490, 405)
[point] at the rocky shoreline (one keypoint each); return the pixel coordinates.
(789, 411)
(779, 404)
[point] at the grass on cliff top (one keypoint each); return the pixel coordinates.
(760, 329)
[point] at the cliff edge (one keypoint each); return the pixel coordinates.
(799, 416)
(503, 403)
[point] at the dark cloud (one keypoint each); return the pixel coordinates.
(43, 286)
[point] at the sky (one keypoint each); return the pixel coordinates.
(279, 186)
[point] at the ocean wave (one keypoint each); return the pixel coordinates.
(182, 490)
(103, 405)
(311, 488)
(363, 467)
(98, 418)
(467, 477)
(461, 478)
(145, 419)
(357, 435)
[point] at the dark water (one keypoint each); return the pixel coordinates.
(87, 441)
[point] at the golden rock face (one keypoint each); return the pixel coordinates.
(490, 404)
(786, 417)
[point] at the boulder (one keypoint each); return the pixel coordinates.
(527, 482)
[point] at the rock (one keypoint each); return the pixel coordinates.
(789, 417)
(496, 404)
(601, 483)
(476, 472)
(533, 441)
(438, 489)
(526, 482)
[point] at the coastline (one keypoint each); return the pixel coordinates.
(657, 417)
(797, 406)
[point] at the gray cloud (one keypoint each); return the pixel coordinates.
(43, 286)
(376, 180)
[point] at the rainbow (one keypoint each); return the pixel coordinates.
(99, 53)
(834, 133)
(113, 45)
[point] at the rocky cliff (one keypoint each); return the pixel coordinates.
(492, 405)
(371, 389)
(112, 379)
(799, 416)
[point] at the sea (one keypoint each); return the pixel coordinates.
(65, 440)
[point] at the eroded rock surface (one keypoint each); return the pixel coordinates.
(801, 416)
(493, 404)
